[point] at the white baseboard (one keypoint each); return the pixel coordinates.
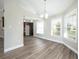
(61, 43)
(12, 48)
(71, 48)
(51, 40)
(57, 41)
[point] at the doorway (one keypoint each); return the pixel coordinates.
(28, 29)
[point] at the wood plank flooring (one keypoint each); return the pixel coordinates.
(1, 45)
(35, 48)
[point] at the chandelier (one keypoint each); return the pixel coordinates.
(45, 15)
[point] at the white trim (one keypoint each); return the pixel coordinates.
(57, 41)
(71, 48)
(54, 40)
(50, 39)
(12, 48)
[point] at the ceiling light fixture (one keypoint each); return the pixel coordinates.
(45, 15)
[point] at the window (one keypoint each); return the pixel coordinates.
(40, 27)
(71, 26)
(56, 27)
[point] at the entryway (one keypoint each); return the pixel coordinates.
(28, 29)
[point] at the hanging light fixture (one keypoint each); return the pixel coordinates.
(45, 11)
(45, 15)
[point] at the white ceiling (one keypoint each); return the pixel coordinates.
(54, 7)
(1, 4)
(36, 7)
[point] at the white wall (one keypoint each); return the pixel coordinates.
(13, 35)
(1, 13)
(1, 28)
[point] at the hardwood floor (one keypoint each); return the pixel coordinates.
(1, 45)
(35, 48)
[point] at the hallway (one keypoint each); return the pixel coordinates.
(35, 48)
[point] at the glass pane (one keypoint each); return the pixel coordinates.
(40, 27)
(56, 27)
